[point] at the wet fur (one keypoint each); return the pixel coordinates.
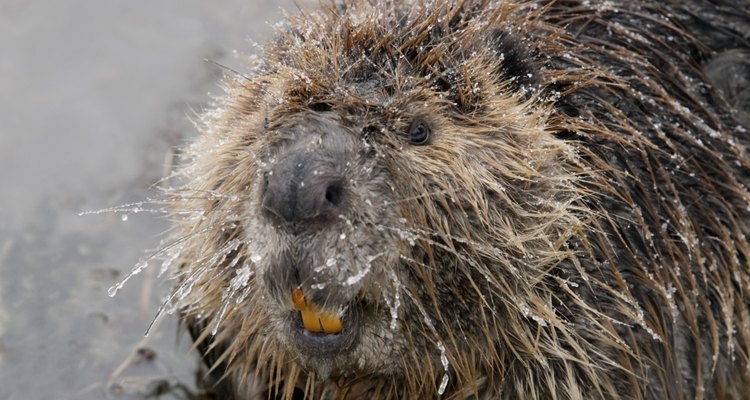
(576, 228)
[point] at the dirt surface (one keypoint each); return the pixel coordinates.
(94, 97)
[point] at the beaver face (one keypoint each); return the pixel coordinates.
(381, 220)
(380, 203)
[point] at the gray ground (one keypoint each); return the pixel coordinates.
(94, 96)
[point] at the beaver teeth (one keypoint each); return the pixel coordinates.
(313, 319)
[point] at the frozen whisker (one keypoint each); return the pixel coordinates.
(178, 293)
(239, 281)
(143, 263)
(417, 197)
(434, 233)
(187, 193)
(228, 69)
(440, 346)
(363, 272)
(222, 254)
(482, 269)
(135, 208)
(446, 365)
(171, 251)
(178, 199)
(417, 262)
(330, 263)
(147, 206)
(394, 304)
(245, 292)
(219, 317)
(204, 266)
(140, 266)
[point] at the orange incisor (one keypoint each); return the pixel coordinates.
(313, 319)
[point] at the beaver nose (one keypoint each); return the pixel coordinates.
(304, 190)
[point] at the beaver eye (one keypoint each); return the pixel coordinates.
(321, 107)
(419, 133)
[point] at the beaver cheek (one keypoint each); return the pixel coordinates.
(278, 275)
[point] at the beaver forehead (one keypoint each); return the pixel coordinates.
(389, 61)
(379, 99)
(310, 131)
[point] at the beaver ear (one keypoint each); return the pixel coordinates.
(516, 62)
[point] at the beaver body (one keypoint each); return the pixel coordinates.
(477, 199)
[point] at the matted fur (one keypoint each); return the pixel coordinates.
(576, 228)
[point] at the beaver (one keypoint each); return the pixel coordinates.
(475, 199)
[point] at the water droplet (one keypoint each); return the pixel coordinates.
(124, 217)
(446, 365)
(443, 385)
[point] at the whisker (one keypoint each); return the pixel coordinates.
(438, 343)
(417, 197)
(177, 293)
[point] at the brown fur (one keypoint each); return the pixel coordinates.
(575, 229)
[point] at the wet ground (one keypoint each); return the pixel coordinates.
(94, 97)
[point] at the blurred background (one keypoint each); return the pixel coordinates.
(95, 97)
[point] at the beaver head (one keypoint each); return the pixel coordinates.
(391, 204)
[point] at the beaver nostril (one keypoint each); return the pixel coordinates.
(335, 194)
(265, 184)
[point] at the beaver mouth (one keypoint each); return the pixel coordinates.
(321, 344)
(319, 333)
